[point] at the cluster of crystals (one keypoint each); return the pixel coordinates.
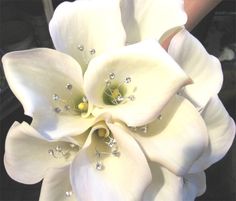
(91, 51)
(140, 129)
(114, 93)
(60, 101)
(111, 143)
(59, 152)
(63, 105)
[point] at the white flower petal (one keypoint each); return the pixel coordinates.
(178, 139)
(151, 18)
(112, 182)
(194, 186)
(165, 185)
(56, 185)
(204, 69)
(87, 25)
(27, 157)
(35, 76)
(221, 130)
(155, 78)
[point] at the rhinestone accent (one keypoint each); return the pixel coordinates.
(55, 97)
(57, 110)
(116, 153)
(72, 145)
(99, 165)
(127, 80)
(81, 47)
(51, 152)
(92, 51)
(112, 76)
(132, 97)
(69, 86)
(69, 193)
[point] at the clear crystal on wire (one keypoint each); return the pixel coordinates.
(112, 76)
(72, 145)
(55, 97)
(58, 148)
(108, 83)
(51, 152)
(69, 86)
(127, 80)
(81, 47)
(69, 193)
(120, 98)
(84, 99)
(132, 97)
(115, 153)
(57, 110)
(99, 165)
(67, 107)
(92, 51)
(144, 129)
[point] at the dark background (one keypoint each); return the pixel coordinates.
(23, 25)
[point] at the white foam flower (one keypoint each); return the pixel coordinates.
(107, 111)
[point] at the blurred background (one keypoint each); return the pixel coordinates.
(24, 25)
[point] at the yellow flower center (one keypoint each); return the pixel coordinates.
(83, 106)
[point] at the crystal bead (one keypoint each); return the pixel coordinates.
(69, 86)
(72, 145)
(108, 83)
(69, 193)
(57, 110)
(112, 76)
(50, 151)
(67, 107)
(55, 97)
(127, 80)
(116, 153)
(92, 51)
(84, 99)
(132, 98)
(99, 165)
(81, 47)
(58, 148)
(120, 98)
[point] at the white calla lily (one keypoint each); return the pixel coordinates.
(121, 82)
(49, 84)
(171, 139)
(27, 163)
(167, 186)
(88, 29)
(106, 110)
(112, 180)
(189, 53)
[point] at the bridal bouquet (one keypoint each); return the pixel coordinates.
(115, 117)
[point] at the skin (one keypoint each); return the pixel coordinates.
(196, 11)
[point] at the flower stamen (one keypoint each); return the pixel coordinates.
(114, 93)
